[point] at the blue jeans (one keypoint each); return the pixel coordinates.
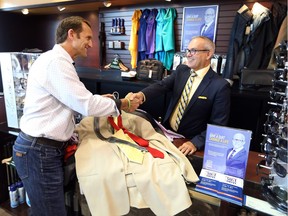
(40, 168)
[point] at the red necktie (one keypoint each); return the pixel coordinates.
(139, 140)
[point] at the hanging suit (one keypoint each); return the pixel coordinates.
(237, 37)
(282, 36)
(142, 35)
(150, 33)
(133, 45)
(169, 37)
(253, 49)
(159, 46)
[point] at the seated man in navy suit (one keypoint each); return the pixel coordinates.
(237, 157)
(207, 101)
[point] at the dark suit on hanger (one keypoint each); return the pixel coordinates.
(209, 104)
(235, 166)
(209, 32)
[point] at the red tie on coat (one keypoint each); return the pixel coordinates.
(139, 140)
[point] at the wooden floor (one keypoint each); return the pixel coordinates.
(6, 210)
(4, 213)
(197, 208)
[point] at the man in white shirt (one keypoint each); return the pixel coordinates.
(54, 93)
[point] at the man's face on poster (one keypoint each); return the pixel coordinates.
(238, 141)
(209, 15)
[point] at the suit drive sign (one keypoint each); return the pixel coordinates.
(224, 163)
(197, 21)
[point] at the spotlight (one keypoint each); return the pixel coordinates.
(61, 8)
(25, 11)
(107, 3)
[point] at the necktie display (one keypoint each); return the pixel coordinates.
(184, 98)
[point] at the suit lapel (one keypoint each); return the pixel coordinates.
(203, 85)
(181, 84)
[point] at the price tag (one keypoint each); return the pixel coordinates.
(247, 30)
(150, 74)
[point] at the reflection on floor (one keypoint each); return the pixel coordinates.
(4, 213)
(198, 208)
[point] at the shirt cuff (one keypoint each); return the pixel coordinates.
(144, 97)
(118, 104)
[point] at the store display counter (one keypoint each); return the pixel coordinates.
(248, 108)
(252, 186)
(243, 115)
(252, 191)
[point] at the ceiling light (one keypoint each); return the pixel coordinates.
(25, 11)
(168, 0)
(107, 3)
(61, 8)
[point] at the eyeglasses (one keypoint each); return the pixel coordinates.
(275, 198)
(276, 167)
(263, 164)
(274, 152)
(275, 140)
(276, 95)
(267, 180)
(275, 127)
(194, 51)
(276, 114)
(238, 140)
(280, 74)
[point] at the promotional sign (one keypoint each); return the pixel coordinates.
(200, 20)
(224, 163)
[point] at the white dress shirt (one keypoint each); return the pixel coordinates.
(54, 93)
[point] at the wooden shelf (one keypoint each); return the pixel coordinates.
(117, 48)
(115, 33)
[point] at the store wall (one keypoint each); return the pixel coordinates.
(19, 32)
(226, 15)
(37, 31)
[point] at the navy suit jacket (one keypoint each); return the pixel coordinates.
(209, 31)
(236, 165)
(209, 104)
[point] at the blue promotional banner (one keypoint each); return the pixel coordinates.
(224, 163)
(199, 20)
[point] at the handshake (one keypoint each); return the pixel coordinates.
(132, 101)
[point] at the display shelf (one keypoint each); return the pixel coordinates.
(117, 48)
(117, 33)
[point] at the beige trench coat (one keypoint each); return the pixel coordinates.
(111, 183)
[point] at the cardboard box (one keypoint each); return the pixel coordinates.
(14, 69)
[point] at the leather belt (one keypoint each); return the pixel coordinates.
(45, 141)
